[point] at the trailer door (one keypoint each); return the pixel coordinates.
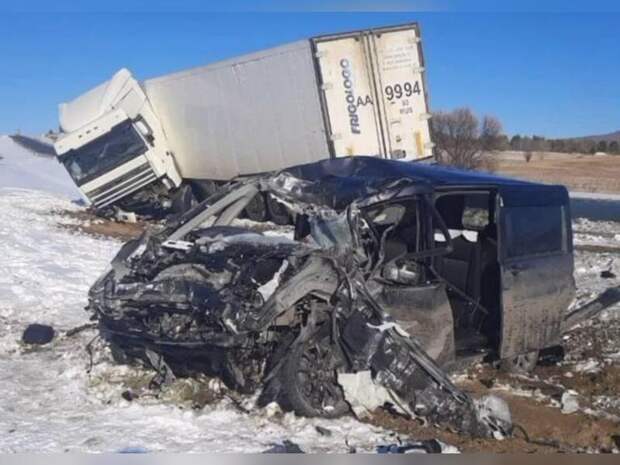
(348, 95)
(399, 74)
(374, 94)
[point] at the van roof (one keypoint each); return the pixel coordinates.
(342, 180)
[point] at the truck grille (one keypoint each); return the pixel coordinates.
(122, 186)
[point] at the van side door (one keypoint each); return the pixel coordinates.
(536, 264)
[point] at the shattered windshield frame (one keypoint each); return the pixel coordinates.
(427, 219)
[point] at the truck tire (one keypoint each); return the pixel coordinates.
(278, 213)
(203, 188)
(524, 363)
(256, 210)
(309, 379)
(183, 200)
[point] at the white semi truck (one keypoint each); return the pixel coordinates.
(141, 145)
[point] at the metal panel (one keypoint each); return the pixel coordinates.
(375, 92)
(349, 95)
(536, 291)
(251, 114)
(399, 68)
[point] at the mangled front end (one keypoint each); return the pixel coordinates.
(197, 307)
(266, 313)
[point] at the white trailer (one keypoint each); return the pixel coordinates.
(357, 93)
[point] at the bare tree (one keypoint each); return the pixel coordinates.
(463, 141)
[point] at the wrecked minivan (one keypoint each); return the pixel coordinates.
(405, 271)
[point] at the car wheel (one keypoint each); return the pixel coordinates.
(310, 381)
(278, 213)
(524, 363)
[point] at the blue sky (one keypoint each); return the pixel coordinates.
(549, 73)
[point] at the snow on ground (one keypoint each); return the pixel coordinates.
(589, 266)
(49, 402)
(20, 167)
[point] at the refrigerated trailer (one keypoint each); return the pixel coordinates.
(138, 144)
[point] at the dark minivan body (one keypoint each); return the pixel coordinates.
(404, 269)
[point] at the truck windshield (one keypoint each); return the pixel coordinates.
(116, 147)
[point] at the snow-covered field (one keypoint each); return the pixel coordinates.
(50, 399)
(49, 402)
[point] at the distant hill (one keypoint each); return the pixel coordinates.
(35, 145)
(606, 137)
(24, 168)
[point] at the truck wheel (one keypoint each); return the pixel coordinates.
(183, 200)
(309, 379)
(278, 213)
(524, 363)
(256, 210)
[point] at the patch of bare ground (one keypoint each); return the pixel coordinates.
(579, 172)
(590, 368)
(88, 223)
(539, 426)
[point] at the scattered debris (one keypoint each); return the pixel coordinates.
(588, 366)
(125, 217)
(429, 446)
(494, 411)
(363, 394)
(286, 447)
(85, 327)
(133, 450)
(323, 431)
(272, 409)
(570, 402)
(128, 395)
(38, 334)
(377, 295)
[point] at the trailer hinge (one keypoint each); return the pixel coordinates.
(418, 69)
(425, 116)
(321, 54)
(414, 40)
(429, 145)
(327, 86)
(336, 136)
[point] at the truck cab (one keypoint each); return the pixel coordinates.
(112, 143)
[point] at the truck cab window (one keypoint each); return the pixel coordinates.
(105, 153)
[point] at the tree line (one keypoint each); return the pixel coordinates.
(464, 140)
(541, 144)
